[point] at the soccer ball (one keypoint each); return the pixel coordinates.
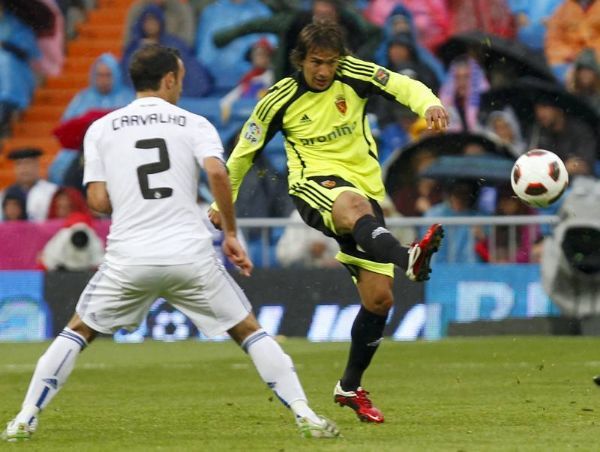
(539, 178)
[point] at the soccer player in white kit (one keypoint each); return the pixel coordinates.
(142, 164)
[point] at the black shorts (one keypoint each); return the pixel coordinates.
(314, 198)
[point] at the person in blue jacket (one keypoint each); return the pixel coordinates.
(105, 91)
(150, 28)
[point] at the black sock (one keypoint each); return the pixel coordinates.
(376, 240)
(367, 332)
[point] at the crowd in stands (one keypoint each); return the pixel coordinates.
(522, 74)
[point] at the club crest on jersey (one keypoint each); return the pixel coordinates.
(340, 103)
(253, 132)
(381, 76)
(328, 183)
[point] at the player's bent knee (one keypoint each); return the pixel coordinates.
(348, 208)
(244, 329)
(380, 302)
(78, 326)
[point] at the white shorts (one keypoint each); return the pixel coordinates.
(119, 296)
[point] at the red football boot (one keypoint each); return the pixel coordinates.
(419, 253)
(359, 401)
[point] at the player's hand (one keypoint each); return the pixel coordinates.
(215, 218)
(437, 118)
(237, 255)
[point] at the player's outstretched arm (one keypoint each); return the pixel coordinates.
(97, 197)
(220, 187)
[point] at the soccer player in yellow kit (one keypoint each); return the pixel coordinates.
(335, 178)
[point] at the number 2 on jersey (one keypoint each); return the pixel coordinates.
(144, 171)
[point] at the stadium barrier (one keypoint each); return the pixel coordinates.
(317, 304)
(23, 241)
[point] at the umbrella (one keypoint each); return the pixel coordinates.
(401, 171)
(70, 133)
(494, 52)
(523, 94)
(34, 13)
(486, 169)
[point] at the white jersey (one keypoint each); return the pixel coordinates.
(149, 153)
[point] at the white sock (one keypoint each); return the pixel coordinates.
(277, 371)
(52, 370)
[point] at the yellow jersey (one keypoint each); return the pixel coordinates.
(327, 133)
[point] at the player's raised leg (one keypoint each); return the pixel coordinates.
(277, 370)
(353, 213)
(51, 372)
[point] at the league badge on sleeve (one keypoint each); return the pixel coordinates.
(253, 132)
(381, 76)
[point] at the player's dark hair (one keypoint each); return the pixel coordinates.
(150, 64)
(322, 35)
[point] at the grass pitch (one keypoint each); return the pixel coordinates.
(525, 394)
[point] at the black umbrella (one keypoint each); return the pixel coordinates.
(34, 13)
(485, 169)
(525, 92)
(402, 167)
(496, 53)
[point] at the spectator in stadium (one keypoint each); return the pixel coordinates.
(418, 193)
(150, 29)
(512, 243)
(461, 93)
(180, 20)
(18, 49)
(52, 45)
(197, 8)
(67, 201)
(574, 26)
(459, 200)
(305, 247)
(504, 126)
(255, 82)
(400, 25)
(28, 179)
(74, 12)
(489, 16)
(531, 19)
(567, 136)
(228, 64)
(362, 37)
(430, 18)
(584, 79)
(14, 205)
(403, 57)
(335, 177)
(158, 245)
(106, 89)
(392, 127)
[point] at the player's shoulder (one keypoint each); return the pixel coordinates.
(351, 66)
(283, 89)
(364, 71)
(276, 96)
(282, 85)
